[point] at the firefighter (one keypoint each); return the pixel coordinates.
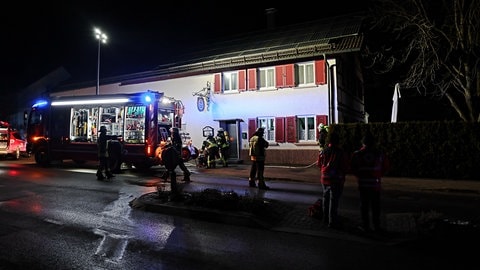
(177, 144)
(210, 146)
(322, 135)
(222, 140)
(103, 156)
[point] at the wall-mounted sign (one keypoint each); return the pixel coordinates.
(207, 131)
(200, 104)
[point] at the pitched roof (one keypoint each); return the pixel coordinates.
(326, 36)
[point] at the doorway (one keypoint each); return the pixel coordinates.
(233, 128)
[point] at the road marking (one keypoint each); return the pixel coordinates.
(115, 229)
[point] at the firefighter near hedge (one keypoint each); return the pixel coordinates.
(322, 135)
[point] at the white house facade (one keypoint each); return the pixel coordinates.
(286, 80)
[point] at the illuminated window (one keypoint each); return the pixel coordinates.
(230, 81)
(267, 78)
(306, 74)
(306, 128)
(268, 123)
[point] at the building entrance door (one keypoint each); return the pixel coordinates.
(233, 129)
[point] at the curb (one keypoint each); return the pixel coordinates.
(151, 203)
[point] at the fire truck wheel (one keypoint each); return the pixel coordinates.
(115, 157)
(41, 157)
(115, 164)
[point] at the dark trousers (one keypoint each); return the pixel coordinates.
(212, 155)
(182, 166)
(370, 199)
(257, 169)
(224, 155)
(331, 199)
(103, 167)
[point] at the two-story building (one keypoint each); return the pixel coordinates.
(286, 79)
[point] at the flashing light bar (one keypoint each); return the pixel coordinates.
(40, 103)
(90, 101)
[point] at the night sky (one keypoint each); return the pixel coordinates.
(40, 38)
(142, 34)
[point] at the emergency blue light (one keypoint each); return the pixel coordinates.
(40, 103)
(147, 98)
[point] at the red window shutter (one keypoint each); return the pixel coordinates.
(289, 71)
(242, 80)
(279, 81)
(320, 74)
(285, 76)
(321, 119)
(280, 129)
(217, 83)
(291, 130)
(252, 126)
(252, 79)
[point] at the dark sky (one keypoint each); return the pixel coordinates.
(39, 37)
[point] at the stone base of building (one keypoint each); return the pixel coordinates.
(300, 157)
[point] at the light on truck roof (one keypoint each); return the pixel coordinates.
(90, 101)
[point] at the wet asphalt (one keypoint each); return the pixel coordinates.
(294, 189)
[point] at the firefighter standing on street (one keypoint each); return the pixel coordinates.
(103, 155)
(369, 164)
(224, 145)
(177, 144)
(257, 153)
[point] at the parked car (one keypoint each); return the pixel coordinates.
(12, 144)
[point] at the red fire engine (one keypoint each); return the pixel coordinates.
(61, 128)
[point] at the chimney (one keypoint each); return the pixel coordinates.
(271, 14)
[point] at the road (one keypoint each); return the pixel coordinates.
(62, 218)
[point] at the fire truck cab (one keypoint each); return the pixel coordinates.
(60, 128)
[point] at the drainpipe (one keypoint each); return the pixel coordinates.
(332, 93)
(329, 85)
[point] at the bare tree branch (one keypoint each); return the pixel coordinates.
(437, 43)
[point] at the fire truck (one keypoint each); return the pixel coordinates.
(62, 128)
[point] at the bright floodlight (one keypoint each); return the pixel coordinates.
(102, 37)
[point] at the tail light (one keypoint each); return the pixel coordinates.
(149, 150)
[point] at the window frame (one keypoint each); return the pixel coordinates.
(306, 73)
(309, 132)
(268, 123)
(266, 78)
(230, 82)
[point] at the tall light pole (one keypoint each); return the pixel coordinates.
(102, 38)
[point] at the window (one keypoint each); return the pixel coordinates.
(230, 81)
(268, 123)
(305, 73)
(35, 117)
(306, 128)
(267, 78)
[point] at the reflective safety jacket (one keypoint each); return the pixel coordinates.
(369, 165)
